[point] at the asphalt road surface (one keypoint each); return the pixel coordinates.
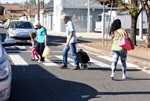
(33, 81)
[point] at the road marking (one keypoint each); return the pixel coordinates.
(70, 61)
(101, 64)
(21, 47)
(119, 62)
(49, 63)
(18, 60)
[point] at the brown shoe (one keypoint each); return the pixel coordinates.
(63, 67)
(75, 68)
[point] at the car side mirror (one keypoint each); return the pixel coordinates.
(9, 42)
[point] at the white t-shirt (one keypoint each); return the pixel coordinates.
(70, 28)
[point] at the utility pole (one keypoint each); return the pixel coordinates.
(141, 23)
(88, 17)
(38, 9)
(30, 10)
(103, 16)
(43, 4)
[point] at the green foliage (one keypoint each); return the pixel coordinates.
(4, 19)
(122, 10)
(1, 10)
(33, 1)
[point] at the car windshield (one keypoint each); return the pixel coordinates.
(21, 24)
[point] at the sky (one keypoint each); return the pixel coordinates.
(19, 1)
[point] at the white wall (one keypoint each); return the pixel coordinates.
(57, 15)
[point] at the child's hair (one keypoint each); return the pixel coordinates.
(32, 35)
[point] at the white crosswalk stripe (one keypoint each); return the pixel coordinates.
(49, 63)
(101, 64)
(119, 62)
(70, 61)
(18, 60)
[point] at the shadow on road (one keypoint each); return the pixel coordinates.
(34, 83)
(58, 40)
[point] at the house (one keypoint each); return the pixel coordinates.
(46, 15)
(13, 11)
(1, 16)
(78, 11)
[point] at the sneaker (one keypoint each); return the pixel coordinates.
(63, 67)
(36, 59)
(32, 59)
(124, 76)
(112, 75)
(75, 68)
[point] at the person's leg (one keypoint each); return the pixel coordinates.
(35, 53)
(65, 55)
(41, 51)
(115, 55)
(32, 55)
(123, 56)
(37, 47)
(74, 54)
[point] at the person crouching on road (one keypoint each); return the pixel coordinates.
(70, 43)
(116, 32)
(41, 39)
(33, 42)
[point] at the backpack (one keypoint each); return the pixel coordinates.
(83, 56)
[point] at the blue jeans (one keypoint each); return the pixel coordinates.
(71, 46)
(123, 56)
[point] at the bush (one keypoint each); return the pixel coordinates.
(3, 19)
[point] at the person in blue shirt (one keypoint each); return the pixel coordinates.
(41, 40)
(70, 43)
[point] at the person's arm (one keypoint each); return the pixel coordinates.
(126, 34)
(71, 35)
(112, 35)
(45, 36)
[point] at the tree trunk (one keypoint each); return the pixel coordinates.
(147, 42)
(133, 30)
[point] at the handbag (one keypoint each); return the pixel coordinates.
(125, 43)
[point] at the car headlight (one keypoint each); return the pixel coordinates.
(4, 70)
(12, 33)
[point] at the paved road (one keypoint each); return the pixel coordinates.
(33, 81)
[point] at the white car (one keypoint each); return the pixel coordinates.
(1, 25)
(20, 30)
(5, 75)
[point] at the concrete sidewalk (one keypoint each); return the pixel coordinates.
(88, 35)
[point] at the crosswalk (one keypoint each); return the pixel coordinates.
(19, 60)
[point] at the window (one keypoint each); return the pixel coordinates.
(20, 24)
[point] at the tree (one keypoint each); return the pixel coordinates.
(1, 10)
(133, 8)
(33, 2)
(147, 7)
